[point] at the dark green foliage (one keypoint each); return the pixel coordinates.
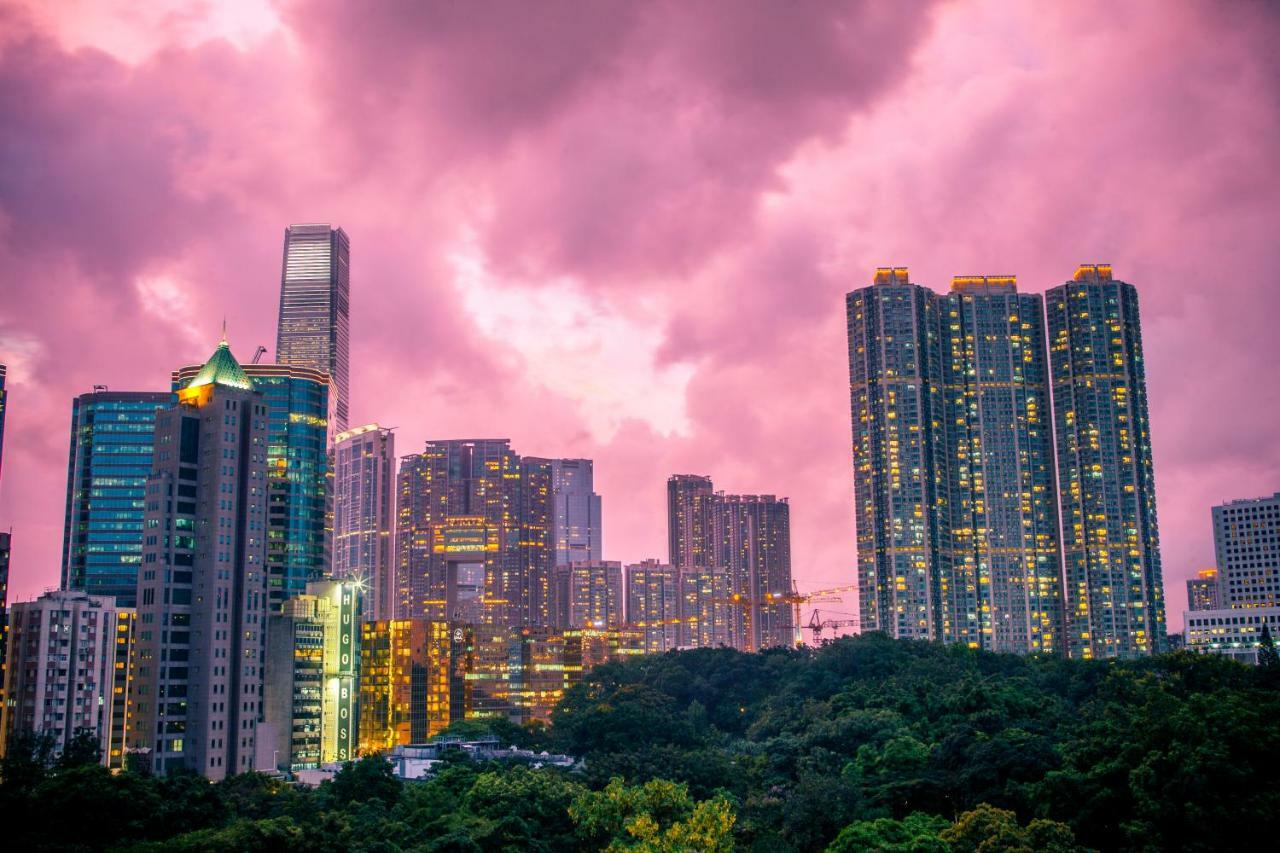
(866, 744)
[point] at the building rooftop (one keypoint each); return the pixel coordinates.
(222, 369)
(981, 284)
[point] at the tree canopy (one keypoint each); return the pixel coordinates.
(864, 744)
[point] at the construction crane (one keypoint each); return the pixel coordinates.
(257, 356)
(818, 623)
(795, 599)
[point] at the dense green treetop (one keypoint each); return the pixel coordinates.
(864, 744)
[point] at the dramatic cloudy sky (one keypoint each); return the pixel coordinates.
(624, 230)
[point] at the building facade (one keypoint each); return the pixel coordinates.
(896, 394)
(1000, 586)
(1110, 535)
(315, 308)
(4, 404)
(587, 595)
(297, 401)
(310, 710)
(1202, 591)
(751, 541)
(577, 525)
(1246, 539)
(409, 689)
(733, 553)
(107, 469)
(474, 534)
(1234, 633)
(364, 481)
(653, 604)
(688, 533)
(202, 588)
(68, 665)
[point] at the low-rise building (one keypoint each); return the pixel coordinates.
(1233, 632)
(68, 670)
(310, 713)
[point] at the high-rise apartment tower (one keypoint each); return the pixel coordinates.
(1110, 537)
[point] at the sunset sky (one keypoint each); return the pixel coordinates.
(625, 230)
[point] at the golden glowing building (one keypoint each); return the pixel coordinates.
(474, 534)
(409, 690)
(1202, 591)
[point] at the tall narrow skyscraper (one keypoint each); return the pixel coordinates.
(364, 485)
(107, 470)
(297, 403)
(202, 588)
(577, 526)
(895, 386)
(1004, 590)
(1110, 538)
(4, 402)
(315, 300)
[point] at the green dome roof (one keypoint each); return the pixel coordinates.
(222, 369)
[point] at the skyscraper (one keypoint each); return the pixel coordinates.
(1001, 588)
(6, 545)
(954, 480)
(68, 670)
(4, 402)
(107, 470)
(474, 533)
(315, 297)
(1110, 537)
(202, 589)
(577, 523)
(752, 543)
(896, 393)
(364, 484)
(733, 553)
(687, 531)
(297, 405)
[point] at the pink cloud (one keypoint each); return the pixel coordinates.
(712, 177)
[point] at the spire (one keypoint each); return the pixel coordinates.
(222, 369)
(224, 329)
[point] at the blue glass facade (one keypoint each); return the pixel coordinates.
(297, 401)
(107, 469)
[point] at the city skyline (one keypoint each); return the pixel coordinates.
(519, 310)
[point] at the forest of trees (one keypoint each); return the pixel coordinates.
(864, 744)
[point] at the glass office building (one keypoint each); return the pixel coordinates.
(315, 292)
(108, 464)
